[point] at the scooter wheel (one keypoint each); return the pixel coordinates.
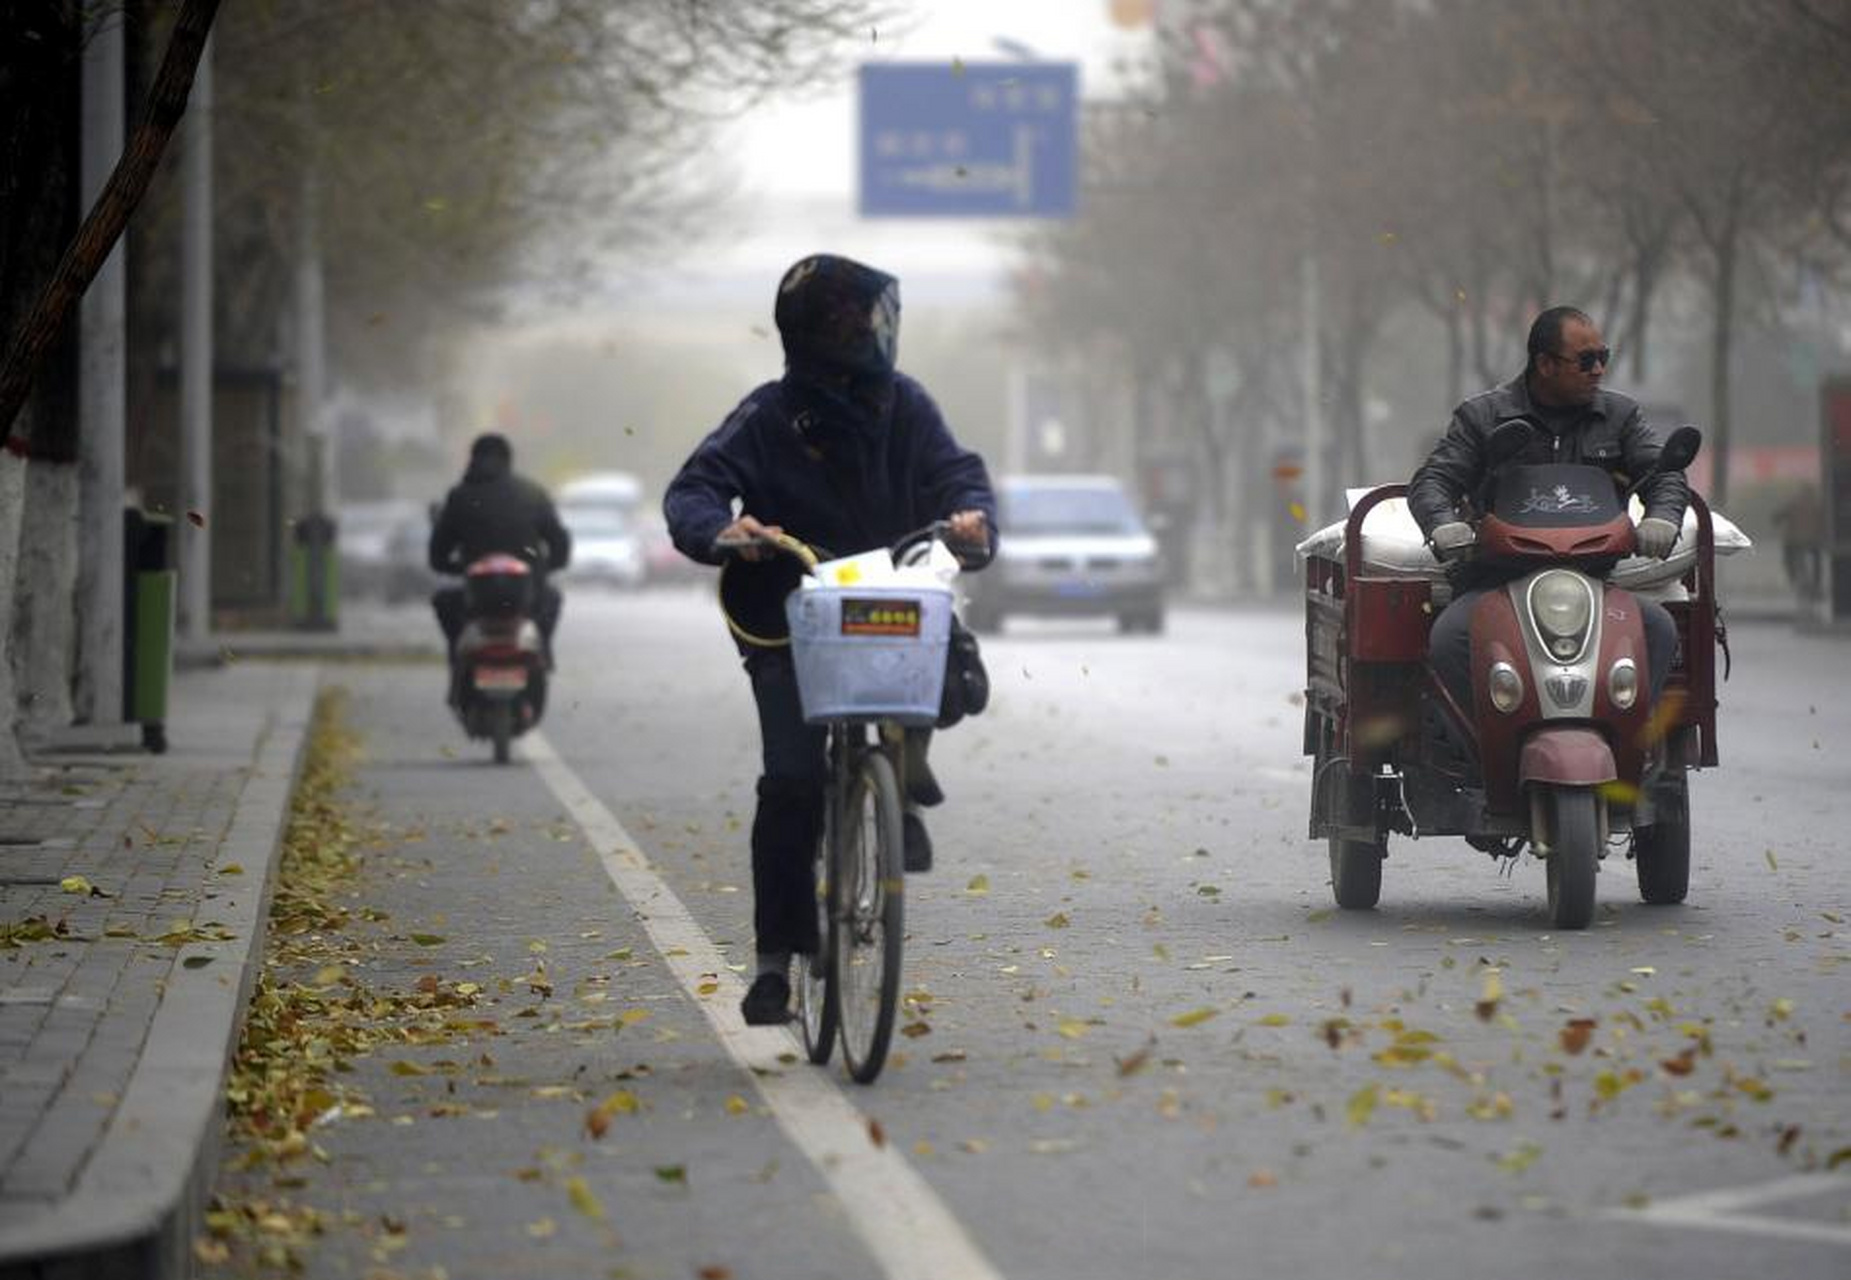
(501, 729)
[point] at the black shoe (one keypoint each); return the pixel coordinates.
(768, 1002)
(921, 787)
(917, 842)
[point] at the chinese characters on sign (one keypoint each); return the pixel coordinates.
(991, 140)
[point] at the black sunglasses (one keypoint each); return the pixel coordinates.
(1586, 360)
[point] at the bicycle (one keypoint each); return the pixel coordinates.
(849, 990)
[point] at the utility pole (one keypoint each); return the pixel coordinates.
(196, 360)
(1314, 410)
(311, 352)
(101, 399)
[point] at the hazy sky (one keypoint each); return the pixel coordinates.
(795, 160)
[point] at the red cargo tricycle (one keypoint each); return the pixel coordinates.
(1560, 750)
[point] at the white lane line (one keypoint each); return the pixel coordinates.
(903, 1222)
(1720, 1210)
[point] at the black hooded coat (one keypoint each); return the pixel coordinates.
(496, 511)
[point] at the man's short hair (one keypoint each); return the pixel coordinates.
(492, 445)
(1546, 331)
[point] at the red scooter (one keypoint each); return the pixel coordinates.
(500, 675)
(1559, 749)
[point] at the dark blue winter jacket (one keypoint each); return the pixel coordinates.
(839, 484)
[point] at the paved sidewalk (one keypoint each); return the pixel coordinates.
(369, 631)
(118, 1012)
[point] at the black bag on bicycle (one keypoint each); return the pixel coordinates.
(967, 684)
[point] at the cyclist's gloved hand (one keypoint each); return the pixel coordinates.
(744, 529)
(1656, 537)
(973, 530)
(1453, 540)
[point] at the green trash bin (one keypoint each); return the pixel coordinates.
(151, 587)
(314, 575)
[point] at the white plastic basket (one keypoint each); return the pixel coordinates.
(870, 653)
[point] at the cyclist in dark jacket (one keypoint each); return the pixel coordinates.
(1576, 420)
(495, 511)
(847, 454)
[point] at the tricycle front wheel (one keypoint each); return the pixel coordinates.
(1574, 855)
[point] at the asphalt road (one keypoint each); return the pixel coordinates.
(1142, 1041)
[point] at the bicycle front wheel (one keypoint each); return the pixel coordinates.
(816, 993)
(868, 906)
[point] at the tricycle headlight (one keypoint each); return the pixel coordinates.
(1623, 683)
(1562, 606)
(1506, 687)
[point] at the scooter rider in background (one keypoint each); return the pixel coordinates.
(845, 453)
(494, 510)
(1576, 421)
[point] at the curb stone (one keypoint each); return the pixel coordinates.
(138, 1204)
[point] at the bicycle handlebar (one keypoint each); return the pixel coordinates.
(968, 554)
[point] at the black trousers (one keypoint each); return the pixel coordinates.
(789, 819)
(1449, 645)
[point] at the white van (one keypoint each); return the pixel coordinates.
(600, 510)
(612, 490)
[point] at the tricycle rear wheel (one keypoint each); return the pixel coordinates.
(1356, 871)
(1661, 852)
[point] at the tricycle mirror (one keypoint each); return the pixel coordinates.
(1681, 449)
(1508, 439)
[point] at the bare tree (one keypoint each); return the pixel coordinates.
(1478, 159)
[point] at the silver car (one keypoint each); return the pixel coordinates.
(1071, 545)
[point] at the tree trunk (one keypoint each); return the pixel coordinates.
(1722, 340)
(103, 227)
(1645, 281)
(44, 623)
(12, 510)
(1455, 361)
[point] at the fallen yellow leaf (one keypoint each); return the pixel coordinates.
(579, 1193)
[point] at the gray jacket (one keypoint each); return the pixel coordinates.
(1610, 433)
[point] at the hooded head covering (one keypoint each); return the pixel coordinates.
(840, 323)
(839, 314)
(490, 457)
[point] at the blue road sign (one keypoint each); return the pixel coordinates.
(955, 140)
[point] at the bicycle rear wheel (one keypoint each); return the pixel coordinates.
(816, 990)
(867, 917)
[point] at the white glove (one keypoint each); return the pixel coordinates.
(1453, 540)
(1656, 537)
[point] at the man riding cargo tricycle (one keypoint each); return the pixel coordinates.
(1558, 735)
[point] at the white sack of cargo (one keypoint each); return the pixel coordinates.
(1393, 545)
(1392, 542)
